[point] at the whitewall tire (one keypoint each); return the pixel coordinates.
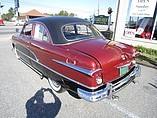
(55, 85)
(16, 54)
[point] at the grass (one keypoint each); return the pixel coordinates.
(148, 55)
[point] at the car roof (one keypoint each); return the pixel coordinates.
(55, 23)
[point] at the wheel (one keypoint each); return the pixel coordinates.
(55, 85)
(16, 54)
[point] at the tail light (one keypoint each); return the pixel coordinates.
(97, 75)
(97, 72)
(148, 35)
(136, 54)
(99, 80)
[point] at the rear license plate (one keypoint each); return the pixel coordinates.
(123, 70)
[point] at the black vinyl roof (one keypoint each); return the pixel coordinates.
(55, 23)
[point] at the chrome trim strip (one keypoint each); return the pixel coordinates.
(127, 80)
(60, 73)
(82, 70)
(31, 66)
(96, 96)
(132, 74)
(109, 90)
(136, 72)
(124, 65)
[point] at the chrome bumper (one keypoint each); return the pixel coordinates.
(110, 89)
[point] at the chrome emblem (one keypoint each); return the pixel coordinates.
(123, 57)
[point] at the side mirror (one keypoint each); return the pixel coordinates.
(17, 30)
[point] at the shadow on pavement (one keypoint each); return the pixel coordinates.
(148, 62)
(37, 108)
(153, 85)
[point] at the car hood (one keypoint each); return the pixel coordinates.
(107, 53)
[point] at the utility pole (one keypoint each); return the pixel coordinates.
(16, 7)
(109, 18)
(1, 12)
(115, 24)
(98, 6)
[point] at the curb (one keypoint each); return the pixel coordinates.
(147, 64)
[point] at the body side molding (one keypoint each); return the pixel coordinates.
(82, 70)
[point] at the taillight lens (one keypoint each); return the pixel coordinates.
(99, 80)
(97, 72)
(136, 54)
(98, 76)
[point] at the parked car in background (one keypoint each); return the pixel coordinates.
(144, 28)
(19, 22)
(1, 23)
(72, 54)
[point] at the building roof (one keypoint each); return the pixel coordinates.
(34, 13)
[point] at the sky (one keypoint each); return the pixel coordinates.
(82, 8)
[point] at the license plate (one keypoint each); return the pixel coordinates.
(123, 70)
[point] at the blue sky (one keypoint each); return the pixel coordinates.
(83, 8)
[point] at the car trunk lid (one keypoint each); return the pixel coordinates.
(112, 56)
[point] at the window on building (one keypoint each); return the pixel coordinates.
(140, 22)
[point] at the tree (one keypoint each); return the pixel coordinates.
(12, 11)
(71, 14)
(9, 15)
(63, 13)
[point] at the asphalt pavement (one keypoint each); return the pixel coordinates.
(9, 30)
(23, 94)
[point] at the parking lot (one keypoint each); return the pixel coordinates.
(24, 94)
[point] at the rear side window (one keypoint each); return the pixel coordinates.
(40, 33)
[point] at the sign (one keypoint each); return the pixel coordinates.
(101, 20)
(142, 8)
(16, 3)
(124, 70)
(129, 32)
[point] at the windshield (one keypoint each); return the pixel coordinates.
(75, 32)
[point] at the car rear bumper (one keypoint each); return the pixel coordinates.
(111, 87)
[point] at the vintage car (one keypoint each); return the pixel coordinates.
(72, 54)
(144, 28)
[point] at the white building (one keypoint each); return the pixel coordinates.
(136, 22)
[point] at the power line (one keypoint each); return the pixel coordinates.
(43, 5)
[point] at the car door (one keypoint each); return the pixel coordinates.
(24, 42)
(45, 52)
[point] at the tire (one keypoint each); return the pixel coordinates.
(16, 54)
(55, 86)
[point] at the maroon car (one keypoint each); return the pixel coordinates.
(72, 54)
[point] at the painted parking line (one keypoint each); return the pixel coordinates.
(122, 110)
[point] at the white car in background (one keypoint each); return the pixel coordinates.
(19, 22)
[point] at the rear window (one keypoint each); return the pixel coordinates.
(74, 32)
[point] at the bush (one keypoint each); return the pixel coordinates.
(149, 51)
